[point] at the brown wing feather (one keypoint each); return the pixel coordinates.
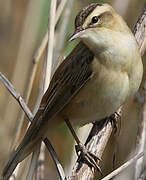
(70, 76)
(74, 63)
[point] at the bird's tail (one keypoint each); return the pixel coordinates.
(23, 150)
(16, 157)
(31, 139)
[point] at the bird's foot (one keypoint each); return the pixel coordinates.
(87, 156)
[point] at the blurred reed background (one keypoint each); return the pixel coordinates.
(22, 27)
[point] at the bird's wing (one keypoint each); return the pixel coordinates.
(69, 77)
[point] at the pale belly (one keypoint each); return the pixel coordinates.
(95, 101)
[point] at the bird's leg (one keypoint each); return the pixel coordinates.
(114, 120)
(82, 151)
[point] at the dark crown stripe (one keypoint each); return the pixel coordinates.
(82, 15)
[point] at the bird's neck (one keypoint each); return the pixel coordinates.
(110, 47)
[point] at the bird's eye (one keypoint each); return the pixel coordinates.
(95, 19)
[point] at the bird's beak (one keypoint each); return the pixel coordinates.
(76, 34)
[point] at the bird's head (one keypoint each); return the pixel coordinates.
(96, 22)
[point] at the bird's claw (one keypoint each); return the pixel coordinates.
(88, 157)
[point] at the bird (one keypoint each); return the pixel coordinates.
(100, 75)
